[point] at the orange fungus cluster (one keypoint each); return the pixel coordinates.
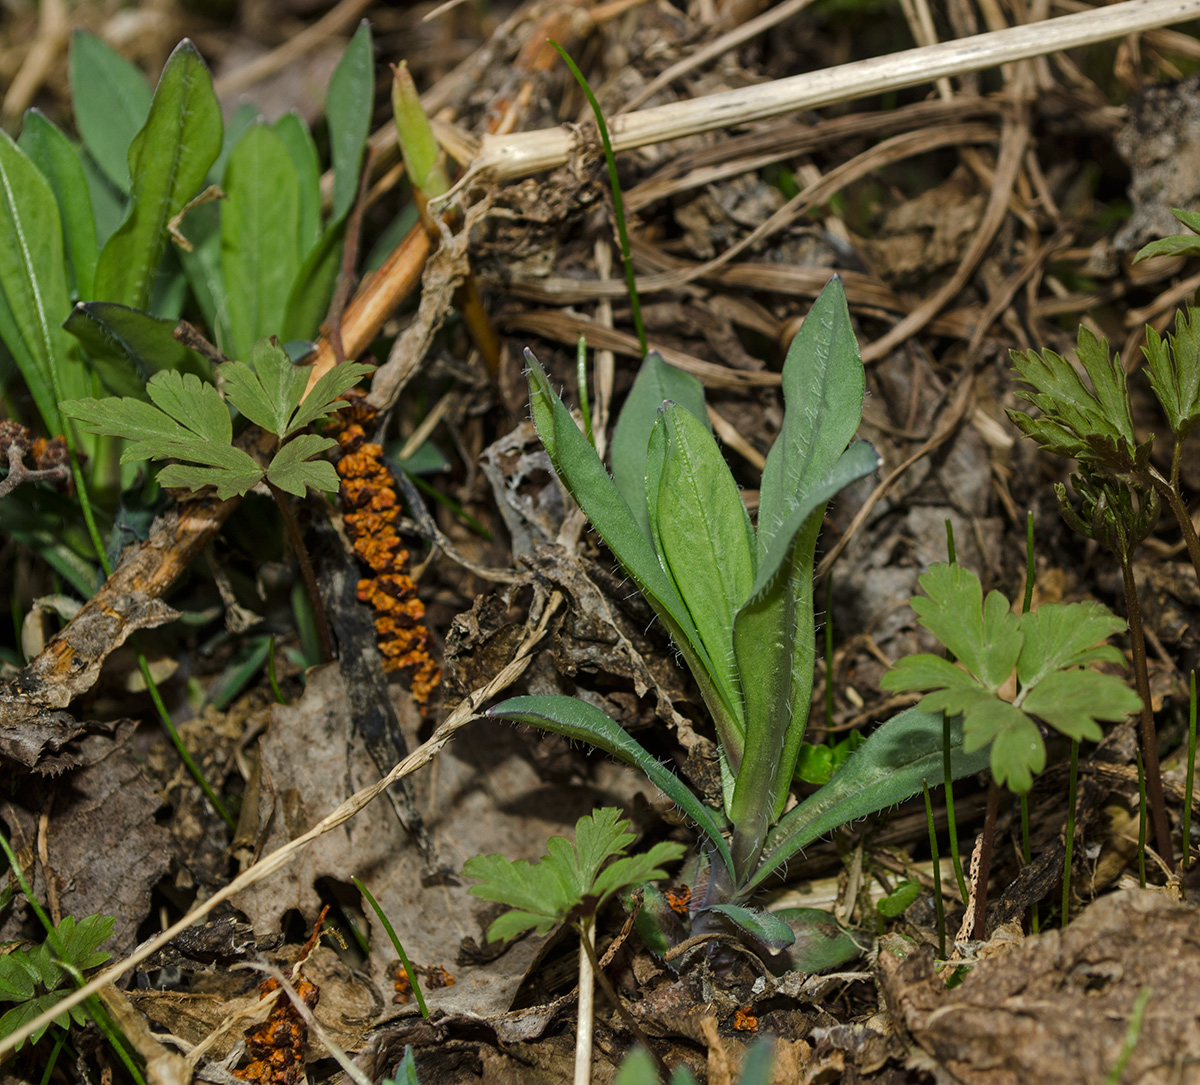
(370, 509)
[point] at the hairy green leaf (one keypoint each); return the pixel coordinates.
(348, 106)
(58, 161)
(260, 222)
(33, 285)
(579, 720)
(820, 942)
(763, 927)
(111, 99)
(891, 766)
(1174, 370)
(168, 160)
(655, 383)
(127, 347)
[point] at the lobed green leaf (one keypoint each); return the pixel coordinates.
(1017, 749)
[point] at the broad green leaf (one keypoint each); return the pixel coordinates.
(1061, 635)
(127, 347)
(33, 282)
(985, 636)
(1175, 372)
(111, 98)
(891, 766)
(314, 284)
(1017, 749)
(260, 223)
(706, 538)
(655, 383)
(823, 383)
(1072, 701)
(53, 154)
(579, 720)
(348, 105)
(576, 463)
(168, 161)
(303, 152)
(763, 927)
(292, 469)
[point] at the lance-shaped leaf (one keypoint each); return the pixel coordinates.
(891, 766)
(168, 160)
(303, 152)
(823, 383)
(763, 927)
(576, 463)
(58, 161)
(111, 99)
(655, 383)
(33, 285)
(1174, 369)
(260, 231)
(705, 537)
(575, 719)
(1178, 244)
(348, 105)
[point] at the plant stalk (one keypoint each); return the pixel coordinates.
(938, 903)
(1137, 644)
(585, 1021)
(1072, 789)
(985, 861)
(1189, 783)
(300, 549)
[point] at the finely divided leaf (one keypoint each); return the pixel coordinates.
(1175, 373)
(986, 637)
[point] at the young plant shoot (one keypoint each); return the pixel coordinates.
(738, 603)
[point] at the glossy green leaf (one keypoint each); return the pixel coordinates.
(111, 98)
(763, 927)
(303, 152)
(168, 161)
(897, 902)
(1174, 370)
(655, 383)
(52, 153)
(33, 282)
(348, 105)
(260, 223)
(823, 383)
(706, 538)
(579, 720)
(127, 347)
(891, 766)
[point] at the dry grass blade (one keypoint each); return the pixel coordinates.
(509, 157)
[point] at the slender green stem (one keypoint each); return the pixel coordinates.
(1141, 819)
(52, 1061)
(177, 740)
(938, 904)
(279, 697)
(618, 202)
(585, 408)
(950, 553)
(391, 933)
(1137, 645)
(1189, 783)
(94, 1008)
(829, 653)
(1071, 792)
(951, 823)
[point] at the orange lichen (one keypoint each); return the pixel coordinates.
(745, 1021)
(370, 509)
(678, 897)
(433, 978)
(276, 1047)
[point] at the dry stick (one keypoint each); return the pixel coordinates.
(463, 714)
(53, 32)
(985, 860)
(509, 157)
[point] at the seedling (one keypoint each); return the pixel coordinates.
(738, 603)
(571, 882)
